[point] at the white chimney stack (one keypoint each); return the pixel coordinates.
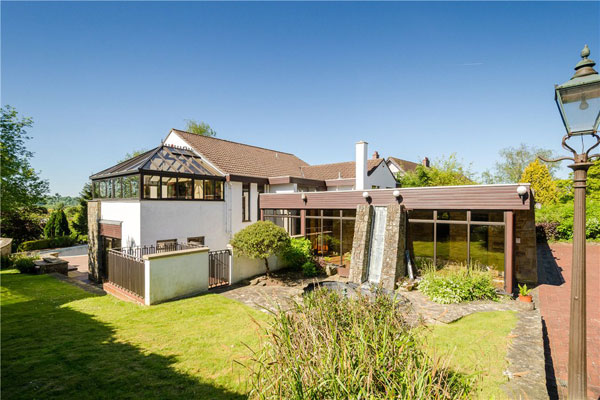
(361, 165)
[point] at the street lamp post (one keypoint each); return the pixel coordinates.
(578, 101)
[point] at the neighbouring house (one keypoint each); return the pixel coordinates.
(194, 190)
(399, 165)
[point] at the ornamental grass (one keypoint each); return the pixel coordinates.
(331, 347)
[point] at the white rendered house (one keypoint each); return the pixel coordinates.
(202, 190)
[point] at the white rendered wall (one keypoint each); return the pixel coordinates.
(339, 188)
(283, 188)
(361, 165)
(393, 168)
(128, 212)
(381, 177)
(175, 274)
(244, 268)
(171, 219)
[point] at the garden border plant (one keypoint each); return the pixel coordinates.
(330, 346)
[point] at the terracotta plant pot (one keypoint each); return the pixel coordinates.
(526, 299)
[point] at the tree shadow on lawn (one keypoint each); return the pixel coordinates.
(51, 351)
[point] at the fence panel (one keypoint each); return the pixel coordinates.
(218, 268)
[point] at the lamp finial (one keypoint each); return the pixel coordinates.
(585, 66)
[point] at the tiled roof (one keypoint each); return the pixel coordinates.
(404, 165)
(242, 159)
(344, 170)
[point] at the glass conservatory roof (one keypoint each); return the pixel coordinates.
(161, 159)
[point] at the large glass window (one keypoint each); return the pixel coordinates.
(209, 189)
(218, 190)
(118, 187)
(169, 188)
(198, 189)
(151, 187)
(422, 240)
(185, 188)
(245, 202)
(460, 237)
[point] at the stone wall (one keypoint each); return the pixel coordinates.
(360, 244)
(94, 245)
(525, 246)
(394, 262)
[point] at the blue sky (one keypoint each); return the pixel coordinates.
(412, 79)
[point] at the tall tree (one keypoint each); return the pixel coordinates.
(57, 224)
(21, 186)
(442, 172)
(199, 128)
(538, 175)
(80, 222)
(513, 162)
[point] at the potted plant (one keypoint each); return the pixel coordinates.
(524, 293)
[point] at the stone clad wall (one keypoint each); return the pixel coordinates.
(93, 240)
(394, 262)
(360, 244)
(525, 246)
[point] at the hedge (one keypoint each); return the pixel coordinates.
(555, 222)
(61, 241)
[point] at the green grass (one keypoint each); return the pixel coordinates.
(477, 342)
(61, 342)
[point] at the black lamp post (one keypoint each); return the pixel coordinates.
(578, 101)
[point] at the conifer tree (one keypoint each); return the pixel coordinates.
(538, 175)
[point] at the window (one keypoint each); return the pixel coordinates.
(375, 186)
(169, 188)
(151, 187)
(198, 189)
(166, 245)
(245, 202)
(196, 241)
(260, 189)
(218, 190)
(118, 186)
(209, 189)
(185, 188)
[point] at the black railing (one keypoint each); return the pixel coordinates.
(218, 268)
(141, 251)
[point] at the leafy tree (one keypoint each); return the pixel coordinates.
(538, 175)
(565, 186)
(261, 240)
(442, 172)
(514, 161)
(57, 224)
(199, 128)
(23, 224)
(21, 186)
(80, 223)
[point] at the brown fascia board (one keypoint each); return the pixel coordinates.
(340, 182)
(246, 179)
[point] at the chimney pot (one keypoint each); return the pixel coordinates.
(425, 162)
(375, 155)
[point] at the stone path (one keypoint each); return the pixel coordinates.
(554, 269)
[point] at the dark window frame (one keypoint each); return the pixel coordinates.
(246, 208)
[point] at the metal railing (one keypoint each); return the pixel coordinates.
(218, 268)
(126, 271)
(140, 251)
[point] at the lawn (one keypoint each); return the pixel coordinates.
(477, 342)
(61, 342)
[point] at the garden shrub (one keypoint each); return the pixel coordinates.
(332, 347)
(546, 231)
(297, 253)
(538, 175)
(457, 284)
(309, 269)
(562, 214)
(25, 264)
(62, 241)
(261, 240)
